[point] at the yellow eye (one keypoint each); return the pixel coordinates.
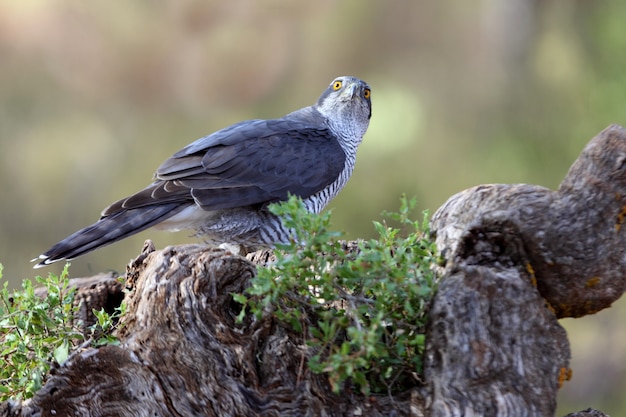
(367, 93)
(337, 85)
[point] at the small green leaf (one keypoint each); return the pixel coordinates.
(61, 352)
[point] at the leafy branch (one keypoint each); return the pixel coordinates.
(38, 333)
(362, 312)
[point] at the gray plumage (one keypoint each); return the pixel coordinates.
(221, 184)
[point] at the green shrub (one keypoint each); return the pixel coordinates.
(35, 333)
(362, 312)
(38, 331)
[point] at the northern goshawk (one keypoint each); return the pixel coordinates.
(221, 184)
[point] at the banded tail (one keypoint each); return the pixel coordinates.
(108, 230)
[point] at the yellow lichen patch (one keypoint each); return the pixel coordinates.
(592, 282)
(565, 374)
(565, 310)
(591, 306)
(531, 271)
(620, 219)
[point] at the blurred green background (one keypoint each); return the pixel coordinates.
(95, 95)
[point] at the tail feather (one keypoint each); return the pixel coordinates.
(108, 230)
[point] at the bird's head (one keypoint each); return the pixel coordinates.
(346, 103)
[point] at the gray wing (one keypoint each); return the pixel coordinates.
(249, 163)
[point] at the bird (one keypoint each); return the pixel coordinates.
(221, 185)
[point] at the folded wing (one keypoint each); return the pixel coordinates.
(251, 163)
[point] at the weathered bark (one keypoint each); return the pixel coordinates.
(517, 257)
(494, 345)
(182, 353)
(572, 239)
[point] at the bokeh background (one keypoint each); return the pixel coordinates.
(95, 95)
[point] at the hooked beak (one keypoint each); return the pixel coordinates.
(350, 91)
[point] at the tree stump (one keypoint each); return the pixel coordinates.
(517, 258)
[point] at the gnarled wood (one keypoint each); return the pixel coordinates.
(517, 257)
(493, 346)
(573, 238)
(183, 354)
